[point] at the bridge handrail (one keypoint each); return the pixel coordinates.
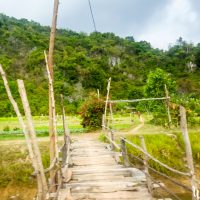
(154, 159)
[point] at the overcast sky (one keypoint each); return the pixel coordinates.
(159, 22)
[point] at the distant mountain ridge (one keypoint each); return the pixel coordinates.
(83, 63)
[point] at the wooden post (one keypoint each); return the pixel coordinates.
(19, 116)
(107, 98)
(103, 122)
(146, 170)
(124, 153)
(24, 130)
(65, 126)
(111, 116)
(98, 94)
(52, 37)
(167, 106)
(40, 173)
(52, 133)
(112, 139)
(52, 126)
(188, 149)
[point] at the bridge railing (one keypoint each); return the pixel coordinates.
(190, 173)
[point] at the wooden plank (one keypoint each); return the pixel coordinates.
(141, 194)
(94, 177)
(104, 189)
(102, 183)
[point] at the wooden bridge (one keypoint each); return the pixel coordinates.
(97, 174)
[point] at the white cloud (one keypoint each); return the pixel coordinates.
(157, 21)
(177, 19)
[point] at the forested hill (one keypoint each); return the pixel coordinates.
(83, 63)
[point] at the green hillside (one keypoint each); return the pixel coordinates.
(83, 63)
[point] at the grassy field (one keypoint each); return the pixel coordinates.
(16, 169)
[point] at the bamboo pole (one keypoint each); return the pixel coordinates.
(49, 62)
(19, 116)
(24, 129)
(167, 106)
(31, 129)
(111, 116)
(184, 129)
(107, 98)
(65, 126)
(52, 127)
(98, 94)
(52, 37)
(146, 170)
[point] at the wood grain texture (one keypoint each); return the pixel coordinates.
(96, 175)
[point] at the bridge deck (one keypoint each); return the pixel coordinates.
(97, 176)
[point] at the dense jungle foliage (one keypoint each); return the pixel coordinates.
(83, 63)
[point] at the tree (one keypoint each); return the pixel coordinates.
(91, 112)
(155, 87)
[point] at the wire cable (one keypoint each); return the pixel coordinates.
(95, 28)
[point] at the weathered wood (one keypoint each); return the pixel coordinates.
(99, 177)
(98, 94)
(167, 106)
(136, 100)
(111, 116)
(36, 151)
(52, 37)
(184, 129)
(52, 126)
(106, 104)
(115, 195)
(49, 64)
(149, 184)
(124, 153)
(66, 133)
(19, 116)
(113, 143)
(65, 126)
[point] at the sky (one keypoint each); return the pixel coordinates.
(160, 22)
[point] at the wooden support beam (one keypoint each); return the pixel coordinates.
(107, 98)
(167, 106)
(19, 116)
(136, 100)
(146, 170)
(38, 160)
(24, 130)
(65, 126)
(52, 37)
(184, 129)
(49, 63)
(52, 126)
(124, 153)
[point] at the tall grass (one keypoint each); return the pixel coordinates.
(164, 148)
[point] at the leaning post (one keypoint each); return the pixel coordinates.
(107, 98)
(36, 150)
(167, 106)
(124, 152)
(190, 163)
(146, 170)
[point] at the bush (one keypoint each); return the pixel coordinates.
(6, 128)
(91, 112)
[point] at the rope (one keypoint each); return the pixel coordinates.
(168, 191)
(161, 174)
(155, 160)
